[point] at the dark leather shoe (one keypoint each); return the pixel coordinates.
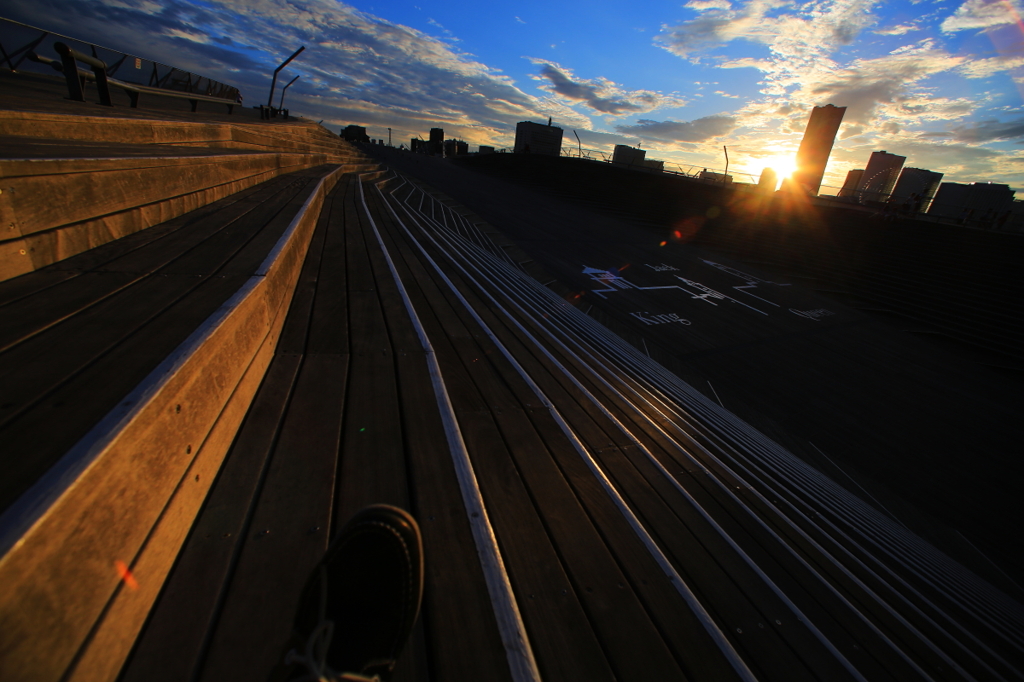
(363, 598)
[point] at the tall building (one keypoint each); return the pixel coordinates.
(852, 181)
(812, 156)
(973, 202)
(455, 148)
(880, 176)
(435, 145)
(923, 183)
(536, 138)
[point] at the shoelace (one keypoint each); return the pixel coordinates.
(314, 658)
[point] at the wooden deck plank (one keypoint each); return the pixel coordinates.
(374, 458)
(676, 622)
(560, 632)
(622, 446)
(55, 378)
(679, 533)
(69, 346)
(328, 327)
(120, 267)
(458, 618)
(289, 529)
(629, 638)
(372, 453)
(174, 639)
(853, 636)
(461, 632)
(296, 329)
(167, 650)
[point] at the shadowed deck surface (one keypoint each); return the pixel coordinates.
(587, 514)
(612, 515)
(930, 429)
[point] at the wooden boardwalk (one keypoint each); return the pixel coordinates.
(633, 544)
(586, 514)
(862, 394)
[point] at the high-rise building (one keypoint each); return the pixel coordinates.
(435, 145)
(815, 147)
(486, 149)
(852, 181)
(923, 183)
(536, 138)
(880, 176)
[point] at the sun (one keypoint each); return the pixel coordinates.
(782, 164)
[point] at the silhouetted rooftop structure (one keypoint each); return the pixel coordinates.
(768, 180)
(535, 138)
(971, 201)
(354, 133)
(628, 156)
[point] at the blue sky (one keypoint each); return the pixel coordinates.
(938, 81)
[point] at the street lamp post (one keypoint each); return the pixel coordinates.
(281, 104)
(273, 82)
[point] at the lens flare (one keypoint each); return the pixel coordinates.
(126, 575)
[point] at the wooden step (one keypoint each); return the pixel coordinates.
(152, 366)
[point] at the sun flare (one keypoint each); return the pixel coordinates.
(783, 165)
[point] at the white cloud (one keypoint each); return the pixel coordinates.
(901, 29)
(988, 130)
(698, 130)
(701, 5)
(983, 68)
(800, 72)
(977, 14)
(357, 68)
(600, 94)
(884, 87)
(812, 30)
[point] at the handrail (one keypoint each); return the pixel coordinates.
(126, 67)
(68, 58)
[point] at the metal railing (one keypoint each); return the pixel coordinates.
(710, 175)
(25, 48)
